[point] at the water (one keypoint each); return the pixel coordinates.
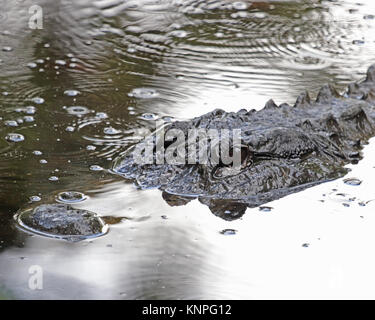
(100, 73)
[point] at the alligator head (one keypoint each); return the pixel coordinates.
(280, 150)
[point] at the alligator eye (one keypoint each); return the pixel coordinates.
(246, 156)
(222, 171)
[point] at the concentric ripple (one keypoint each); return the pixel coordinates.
(101, 75)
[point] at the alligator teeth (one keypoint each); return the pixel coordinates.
(326, 93)
(302, 99)
(371, 74)
(270, 104)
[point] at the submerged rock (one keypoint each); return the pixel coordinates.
(62, 221)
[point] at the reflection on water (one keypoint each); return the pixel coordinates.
(74, 95)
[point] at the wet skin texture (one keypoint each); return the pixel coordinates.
(62, 221)
(284, 149)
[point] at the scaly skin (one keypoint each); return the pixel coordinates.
(285, 149)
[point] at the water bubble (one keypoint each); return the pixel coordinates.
(28, 118)
(111, 131)
(101, 115)
(71, 197)
(30, 110)
(71, 93)
(228, 232)
(257, 15)
(11, 123)
(96, 168)
(179, 33)
(149, 116)
(35, 198)
(60, 62)
(53, 178)
(15, 137)
(77, 110)
(37, 100)
(7, 49)
(90, 148)
(32, 65)
(239, 5)
(143, 93)
(352, 181)
(131, 50)
(69, 129)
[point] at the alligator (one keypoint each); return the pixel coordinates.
(284, 149)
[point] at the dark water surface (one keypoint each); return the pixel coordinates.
(77, 93)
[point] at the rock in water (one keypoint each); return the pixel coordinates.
(62, 221)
